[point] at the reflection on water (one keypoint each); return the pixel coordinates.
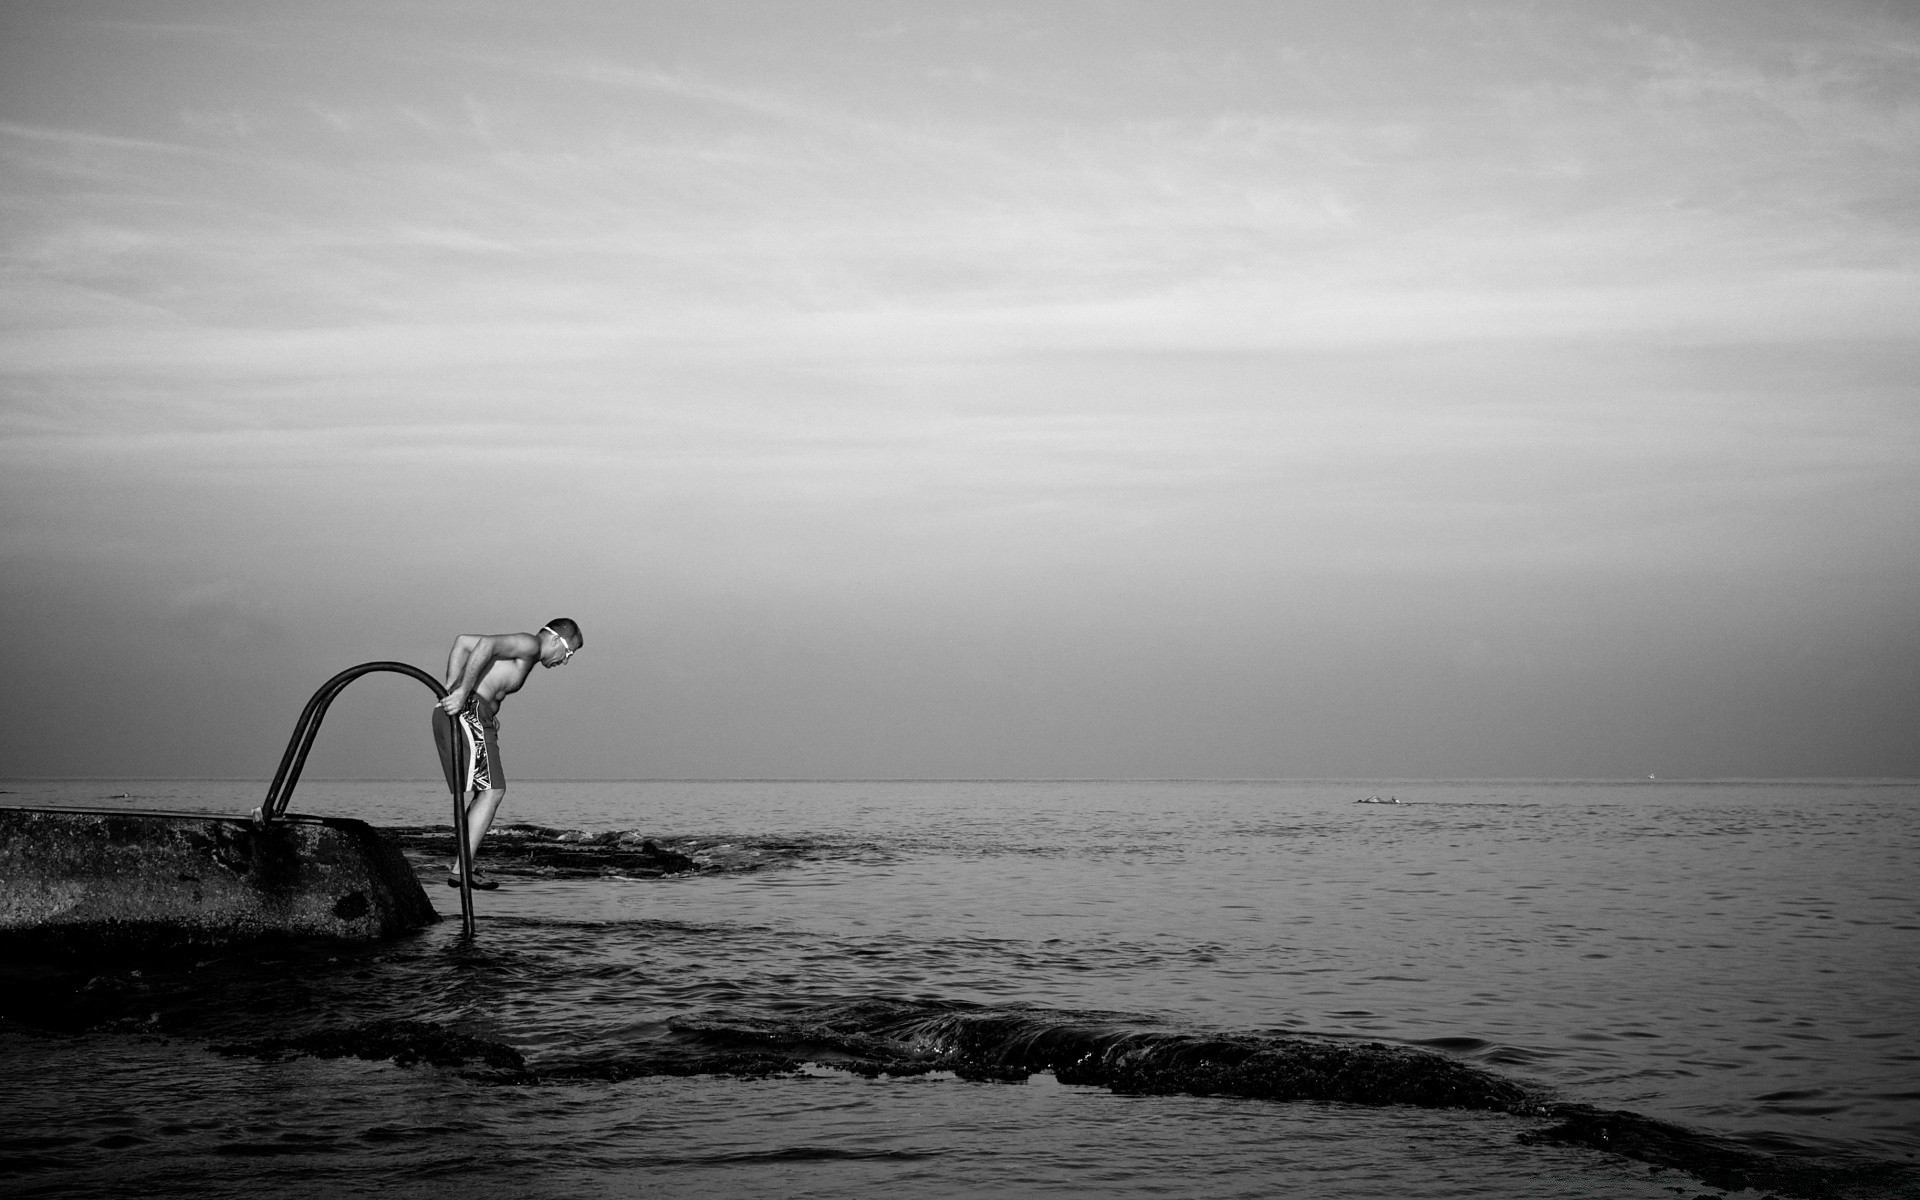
(1736, 959)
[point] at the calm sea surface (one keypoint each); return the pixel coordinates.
(1741, 959)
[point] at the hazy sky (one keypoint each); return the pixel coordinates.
(1038, 389)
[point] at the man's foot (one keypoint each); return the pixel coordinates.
(481, 883)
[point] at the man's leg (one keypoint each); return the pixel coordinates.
(480, 809)
(480, 818)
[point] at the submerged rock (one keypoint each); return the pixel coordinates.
(541, 852)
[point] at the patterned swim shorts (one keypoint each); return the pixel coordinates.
(475, 762)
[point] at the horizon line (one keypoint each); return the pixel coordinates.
(1366, 779)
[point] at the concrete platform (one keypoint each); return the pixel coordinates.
(90, 881)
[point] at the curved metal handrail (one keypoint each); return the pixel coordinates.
(280, 791)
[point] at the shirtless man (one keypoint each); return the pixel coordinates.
(483, 670)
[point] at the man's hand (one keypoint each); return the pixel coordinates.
(454, 702)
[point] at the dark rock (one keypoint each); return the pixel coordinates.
(105, 882)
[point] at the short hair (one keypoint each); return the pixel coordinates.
(568, 630)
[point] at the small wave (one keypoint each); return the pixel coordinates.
(877, 1037)
(27, 1164)
(23, 1154)
(285, 1144)
(1719, 1162)
(405, 1043)
(810, 1154)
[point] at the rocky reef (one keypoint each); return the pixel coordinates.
(542, 852)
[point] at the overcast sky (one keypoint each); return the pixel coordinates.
(1024, 389)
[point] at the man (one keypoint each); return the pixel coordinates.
(483, 670)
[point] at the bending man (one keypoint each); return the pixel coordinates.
(482, 671)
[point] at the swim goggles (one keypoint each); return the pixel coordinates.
(563, 641)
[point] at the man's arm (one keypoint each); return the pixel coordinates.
(468, 659)
(457, 657)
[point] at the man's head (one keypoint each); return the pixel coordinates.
(560, 640)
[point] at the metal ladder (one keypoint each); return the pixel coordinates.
(280, 791)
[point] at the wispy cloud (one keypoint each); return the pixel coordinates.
(78, 139)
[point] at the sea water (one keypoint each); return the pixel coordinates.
(1734, 958)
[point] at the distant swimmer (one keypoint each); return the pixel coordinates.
(483, 669)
